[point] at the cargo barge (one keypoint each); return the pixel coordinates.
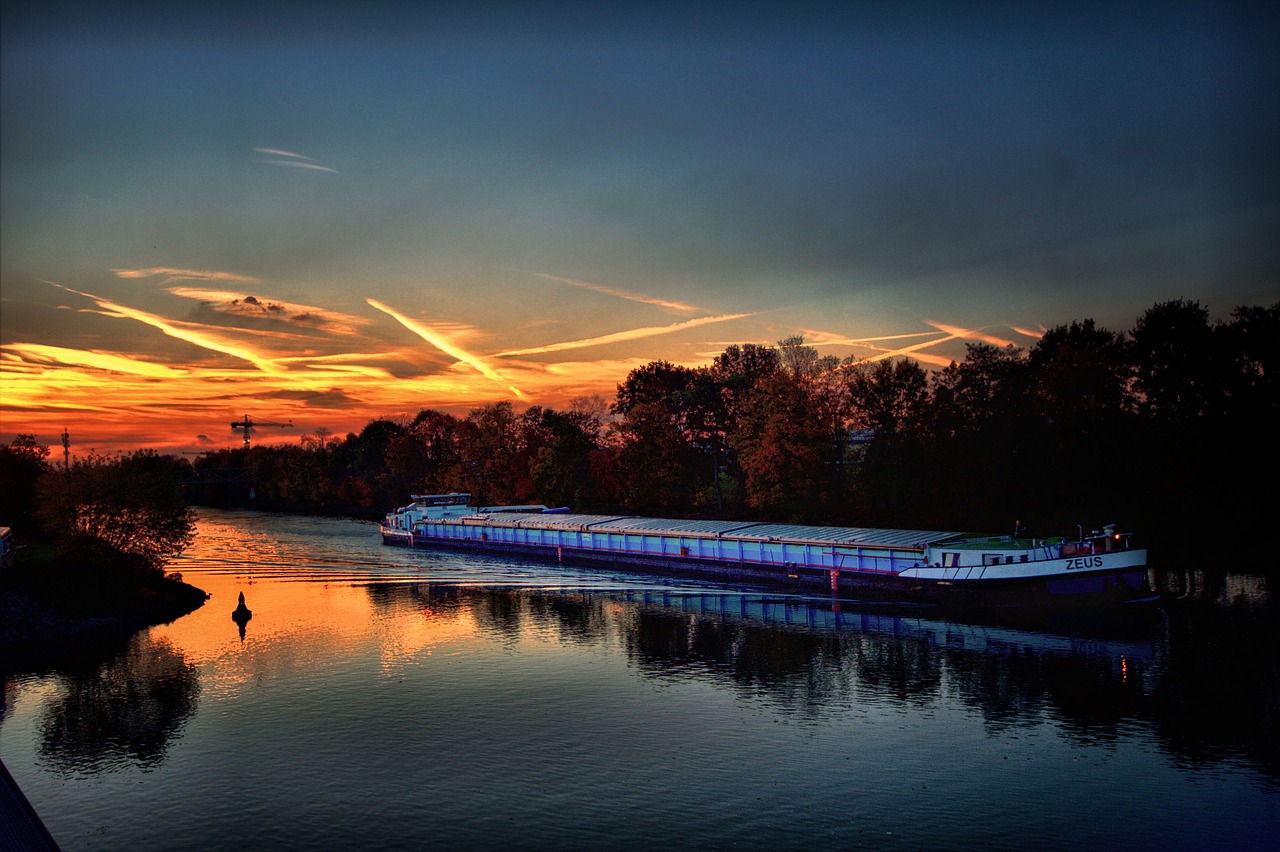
(867, 564)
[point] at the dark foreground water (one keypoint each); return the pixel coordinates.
(381, 698)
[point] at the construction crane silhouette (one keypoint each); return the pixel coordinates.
(248, 423)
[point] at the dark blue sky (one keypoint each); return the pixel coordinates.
(525, 175)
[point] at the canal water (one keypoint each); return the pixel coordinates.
(380, 698)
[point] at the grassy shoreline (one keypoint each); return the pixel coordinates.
(48, 603)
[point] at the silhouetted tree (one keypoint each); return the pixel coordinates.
(493, 465)
(891, 481)
(22, 462)
(800, 361)
(127, 511)
(1252, 341)
(657, 458)
(984, 438)
(560, 465)
(887, 396)
(655, 464)
(427, 454)
(656, 383)
(1176, 360)
(1082, 400)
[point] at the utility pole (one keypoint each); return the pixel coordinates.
(66, 449)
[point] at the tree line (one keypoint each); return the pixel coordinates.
(125, 513)
(1167, 428)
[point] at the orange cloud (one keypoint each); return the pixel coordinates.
(333, 374)
(114, 400)
(203, 339)
(173, 274)
(39, 353)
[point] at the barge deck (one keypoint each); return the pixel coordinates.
(863, 563)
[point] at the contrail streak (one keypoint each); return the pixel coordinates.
(825, 339)
(445, 346)
(618, 294)
(951, 333)
(297, 161)
(300, 165)
(278, 153)
(907, 350)
(970, 334)
(618, 337)
(204, 341)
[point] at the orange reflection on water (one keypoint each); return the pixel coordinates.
(291, 620)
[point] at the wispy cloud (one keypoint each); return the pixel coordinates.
(297, 164)
(431, 336)
(1035, 335)
(203, 339)
(173, 274)
(238, 304)
(621, 336)
(89, 358)
(619, 294)
(277, 157)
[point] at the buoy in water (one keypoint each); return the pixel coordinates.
(242, 612)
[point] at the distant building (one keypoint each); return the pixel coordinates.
(857, 437)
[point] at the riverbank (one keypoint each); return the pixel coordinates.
(48, 604)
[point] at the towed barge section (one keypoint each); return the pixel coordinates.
(854, 562)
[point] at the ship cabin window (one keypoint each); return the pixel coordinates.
(950, 560)
(447, 500)
(1022, 558)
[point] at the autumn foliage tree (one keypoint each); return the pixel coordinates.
(781, 443)
(123, 512)
(1085, 426)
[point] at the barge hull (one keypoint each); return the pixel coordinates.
(1121, 584)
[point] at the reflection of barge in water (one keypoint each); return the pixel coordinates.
(871, 563)
(1130, 640)
(8, 548)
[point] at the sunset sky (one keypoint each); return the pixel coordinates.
(325, 213)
